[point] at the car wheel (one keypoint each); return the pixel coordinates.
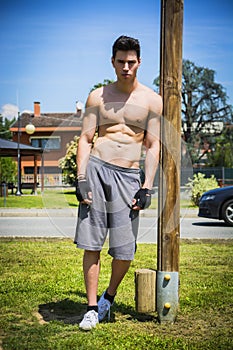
(227, 212)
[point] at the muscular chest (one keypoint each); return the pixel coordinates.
(118, 113)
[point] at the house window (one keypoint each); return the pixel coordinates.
(49, 143)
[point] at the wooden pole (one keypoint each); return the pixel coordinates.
(169, 179)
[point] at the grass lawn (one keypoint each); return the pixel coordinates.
(43, 299)
(53, 198)
(59, 198)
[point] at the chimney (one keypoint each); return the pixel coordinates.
(36, 109)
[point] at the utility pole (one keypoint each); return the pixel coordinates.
(167, 279)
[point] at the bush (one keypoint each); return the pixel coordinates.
(199, 184)
(8, 170)
(68, 163)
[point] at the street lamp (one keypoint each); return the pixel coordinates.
(18, 193)
(30, 129)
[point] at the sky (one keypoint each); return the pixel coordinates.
(54, 52)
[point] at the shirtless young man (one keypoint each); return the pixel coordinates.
(127, 116)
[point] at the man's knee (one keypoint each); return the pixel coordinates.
(92, 254)
(124, 252)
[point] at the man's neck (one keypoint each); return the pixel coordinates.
(126, 88)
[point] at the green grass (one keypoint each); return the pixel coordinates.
(59, 198)
(43, 299)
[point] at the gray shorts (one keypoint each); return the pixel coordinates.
(113, 189)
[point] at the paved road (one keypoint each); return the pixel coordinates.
(64, 226)
(190, 228)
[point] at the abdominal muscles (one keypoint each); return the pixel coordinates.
(119, 148)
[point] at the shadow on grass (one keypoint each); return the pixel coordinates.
(71, 312)
(73, 205)
(68, 192)
(66, 311)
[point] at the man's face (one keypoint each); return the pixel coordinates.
(126, 65)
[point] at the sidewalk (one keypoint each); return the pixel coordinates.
(72, 212)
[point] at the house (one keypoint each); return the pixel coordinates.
(51, 132)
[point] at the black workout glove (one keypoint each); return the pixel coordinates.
(82, 190)
(143, 198)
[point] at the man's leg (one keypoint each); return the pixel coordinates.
(91, 268)
(119, 269)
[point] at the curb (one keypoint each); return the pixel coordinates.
(72, 212)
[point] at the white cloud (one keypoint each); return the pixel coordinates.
(9, 111)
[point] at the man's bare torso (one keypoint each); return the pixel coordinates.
(122, 121)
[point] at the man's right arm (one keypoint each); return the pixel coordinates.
(83, 191)
(88, 132)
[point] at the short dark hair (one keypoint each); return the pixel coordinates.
(126, 43)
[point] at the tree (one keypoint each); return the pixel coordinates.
(204, 105)
(8, 170)
(204, 108)
(5, 125)
(105, 82)
(221, 152)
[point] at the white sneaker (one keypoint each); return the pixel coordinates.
(89, 321)
(104, 306)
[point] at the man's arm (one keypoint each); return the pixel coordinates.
(152, 141)
(152, 144)
(87, 135)
(142, 198)
(83, 191)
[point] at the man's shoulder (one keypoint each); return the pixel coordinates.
(149, 95)
(148, 90)
(94, 97)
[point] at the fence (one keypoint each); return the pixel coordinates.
(50, 180)
(223, 175)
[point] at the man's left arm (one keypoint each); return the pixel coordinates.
(142, 199)
(152, 144)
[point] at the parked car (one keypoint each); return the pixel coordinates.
(217, 204)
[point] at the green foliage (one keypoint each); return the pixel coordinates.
(8, 170)
(204, 106)
(68, 163)
(105, 82)
(43, 299)
(5, 125)
(222, 150)
(200, 184)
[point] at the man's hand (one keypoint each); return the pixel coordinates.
(142, 199)
(83, 191)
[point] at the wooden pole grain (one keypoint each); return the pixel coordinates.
(169, 179)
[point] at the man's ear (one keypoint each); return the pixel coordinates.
(113, 62)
